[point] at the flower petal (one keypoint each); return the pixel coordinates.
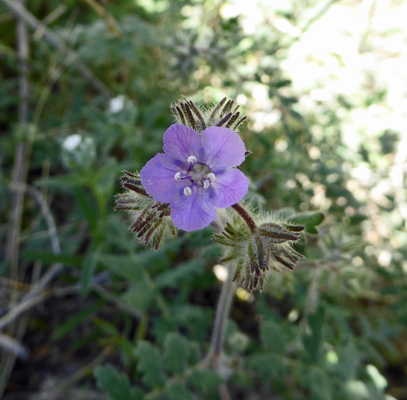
(222, 147)
(157, 178)
(194, 212)
(180, 142)
(229, 188)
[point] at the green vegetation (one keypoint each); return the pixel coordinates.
(86, 312)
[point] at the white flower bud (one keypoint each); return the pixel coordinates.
(192, 159)
(206, 184)
(177, 176)
(187, 191)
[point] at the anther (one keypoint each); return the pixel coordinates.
(187, 191)
(206, 184)
(192, 159)
(211, 176)
(177, 176)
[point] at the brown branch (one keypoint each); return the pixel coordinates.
(52, 38)
(20, 163)
(110, 21)
(19, 176)
(13, 346)
(52, 231)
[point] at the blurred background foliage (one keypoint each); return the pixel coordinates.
(324, 86)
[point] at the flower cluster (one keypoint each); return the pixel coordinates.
(194, 176)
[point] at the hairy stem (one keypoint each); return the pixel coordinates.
(246, 216)
(222, 314)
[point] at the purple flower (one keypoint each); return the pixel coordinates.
(196, 175)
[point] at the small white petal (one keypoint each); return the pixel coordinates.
(211, 176)
(177, 176)
(116, 104)
(192, 159)
(72, 142)
(187, 191)
(206, 184)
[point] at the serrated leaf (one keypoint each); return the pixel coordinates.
(195, 319)
(348, 359)
(150, 364)
(140, 294)
(267, 365)
(273, 337)
(193, 353)
(204, 380)
(116, 384)
(175, 353)
(318, 383)
(178, 391)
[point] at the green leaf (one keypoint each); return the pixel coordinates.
(7, 51)
(312, 342)
(309, 219)
(140, 294)
(348, 359)
(150, 364)
(89, 209)
(88, 268)
(175, 353)
(183, 273)
(195, 319)
(318, 383)
(105, 326)
(204, 380)
(273, 336)
(126, 266)
(76, 320)
(267, 365)
(178, 391)
(193, 353)
(116, 384)
(50, 257)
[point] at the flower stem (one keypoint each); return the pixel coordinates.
(222, 314)
(246, 216)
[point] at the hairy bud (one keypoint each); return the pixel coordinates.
(258, 248)
(152, 220)
(223, 114)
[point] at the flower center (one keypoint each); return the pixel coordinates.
(198, 174)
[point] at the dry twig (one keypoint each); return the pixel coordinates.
(52, 38)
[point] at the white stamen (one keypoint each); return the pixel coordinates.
(192, 159)
(211, 176)
(187, 191)
(177, 176)
(206, 184)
